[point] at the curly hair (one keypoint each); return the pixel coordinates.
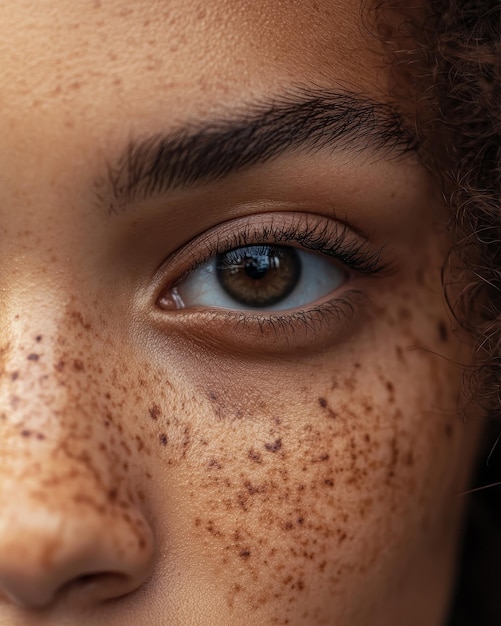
(447, 54)
(446, 59)
(464, 59)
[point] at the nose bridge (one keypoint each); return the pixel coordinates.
(54, 404)
(52, 436)
(41, 350)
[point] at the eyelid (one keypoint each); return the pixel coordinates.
(314, 329)
(303, 230)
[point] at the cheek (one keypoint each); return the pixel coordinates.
(298, 507)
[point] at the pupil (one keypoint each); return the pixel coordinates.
(259, 276)
(257, 267)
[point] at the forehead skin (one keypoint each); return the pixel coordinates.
(312, 487)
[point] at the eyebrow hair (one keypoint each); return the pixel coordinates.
(210, 150)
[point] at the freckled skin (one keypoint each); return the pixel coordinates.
(149, 475)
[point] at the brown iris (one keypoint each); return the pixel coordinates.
(259, 276)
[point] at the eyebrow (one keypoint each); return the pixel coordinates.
(205, 151)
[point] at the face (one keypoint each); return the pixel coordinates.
(229, 386)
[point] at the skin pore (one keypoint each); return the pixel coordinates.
(199, 465)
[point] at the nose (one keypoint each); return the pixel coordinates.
(72, 528)
(49, 555)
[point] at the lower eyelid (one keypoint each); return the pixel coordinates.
(315, 328)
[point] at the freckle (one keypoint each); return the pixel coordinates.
(154, 411)
(255, 456)
(77, 316)
(275, 446)
(78, 366)
(244, 554)
(368, 408)
(163, 439)
(33, 357)
(341, 536)
(60, 365)
(26, 433)
(14, 375)
(323, 403)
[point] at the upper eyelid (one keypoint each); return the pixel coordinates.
(252, 229)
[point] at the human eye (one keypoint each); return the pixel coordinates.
(286, 275)
(259, 277)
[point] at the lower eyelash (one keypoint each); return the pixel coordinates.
(309, 321)
(310, 329)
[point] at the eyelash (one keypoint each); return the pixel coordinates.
(332, 239)
(307, 231)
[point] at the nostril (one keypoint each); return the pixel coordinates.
(85, 578)
(102, 586)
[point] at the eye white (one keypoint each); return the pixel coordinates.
(320, 276)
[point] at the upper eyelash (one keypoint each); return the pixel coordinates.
(356, 255)
(333, 241)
